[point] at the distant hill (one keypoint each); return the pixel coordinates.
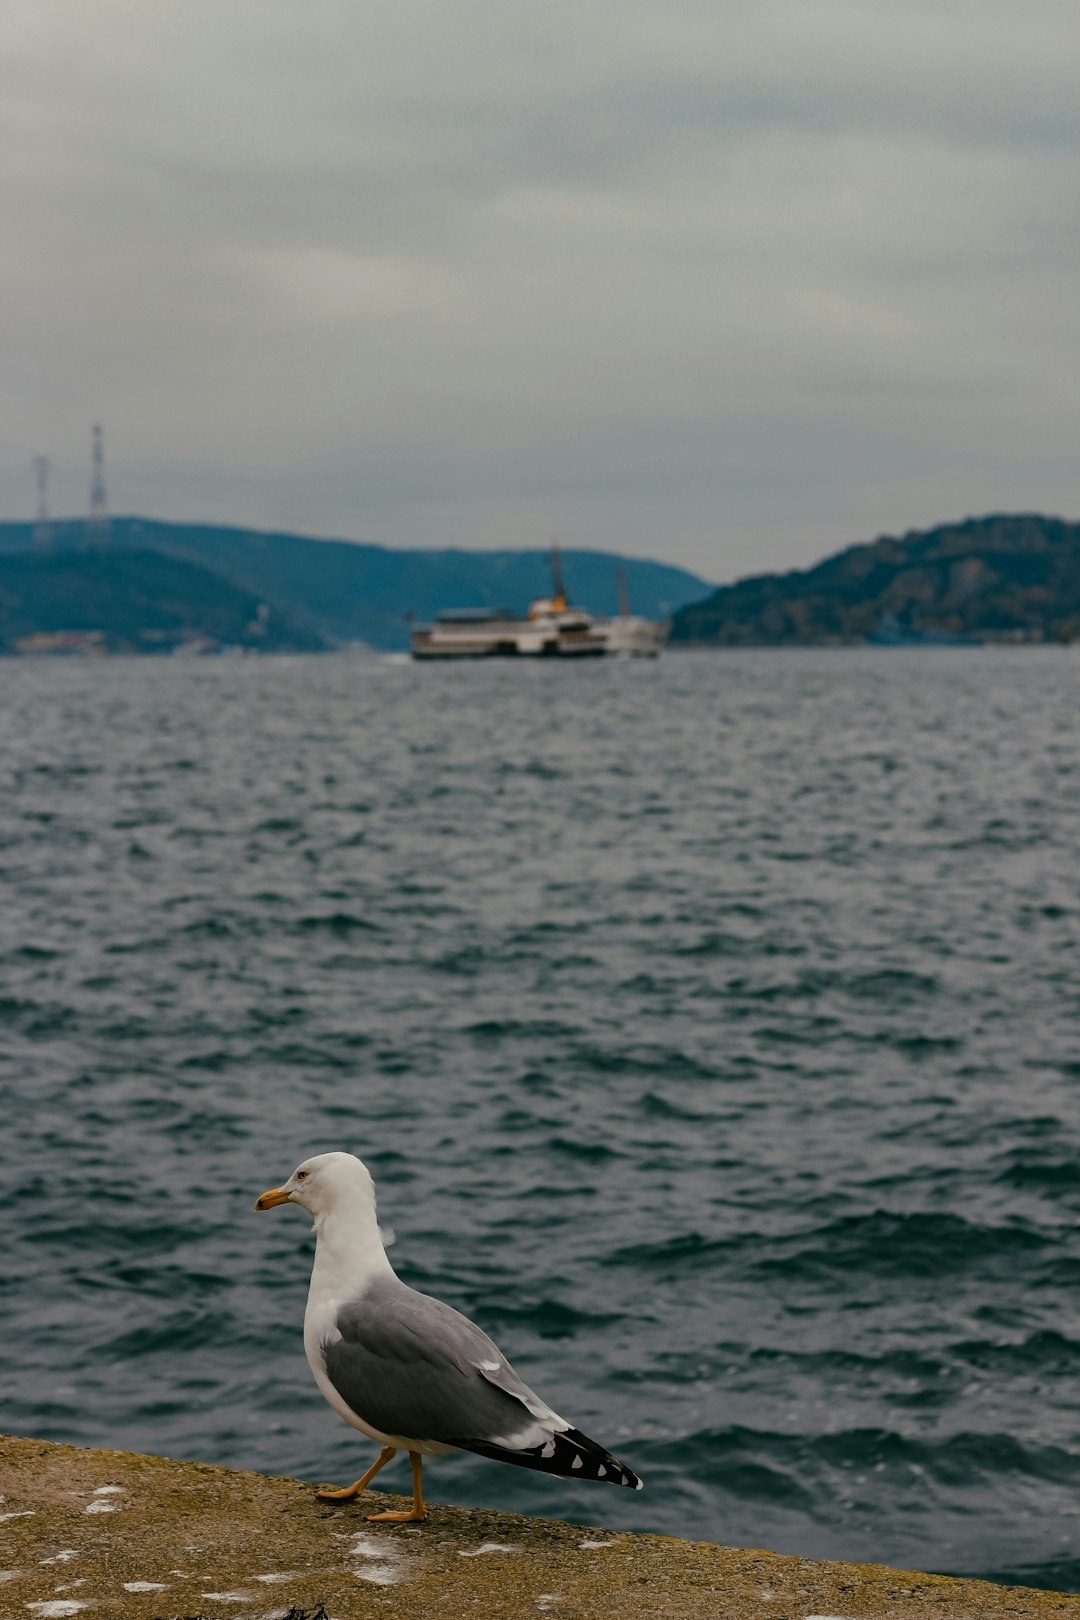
(1000, 577)
(136, 601)
(340, 591)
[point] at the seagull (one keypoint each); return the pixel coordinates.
(405, 1369)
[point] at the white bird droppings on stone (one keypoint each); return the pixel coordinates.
(365, 1546)
(489, 1547)
(379, 1569)
(146, 1586)
(55, 1608)
(27, 1513)
(379, 1574)
(100, 1506)
(108, 1490)
(64, 1556)
(227, 1597)
(278, 1575)
(591, 1545)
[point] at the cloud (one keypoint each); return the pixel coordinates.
(339, 286)
(853, 316)
(731, 285)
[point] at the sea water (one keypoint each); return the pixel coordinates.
(711, 1028)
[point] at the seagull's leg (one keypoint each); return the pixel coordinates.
(331, 1493)
(418, 1510)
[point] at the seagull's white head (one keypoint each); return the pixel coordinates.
(321, 1183)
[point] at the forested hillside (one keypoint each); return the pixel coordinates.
(998, 577)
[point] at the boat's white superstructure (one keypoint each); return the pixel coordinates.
(551, 629)
(633, 637)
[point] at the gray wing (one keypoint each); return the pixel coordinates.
(411, 1366)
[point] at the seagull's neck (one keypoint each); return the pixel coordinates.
(349, 1251)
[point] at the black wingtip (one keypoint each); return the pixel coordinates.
(571, 1455)
(594, 1462)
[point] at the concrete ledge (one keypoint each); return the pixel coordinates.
(110, 1535)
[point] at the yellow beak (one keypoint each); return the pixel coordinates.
(267, 1200)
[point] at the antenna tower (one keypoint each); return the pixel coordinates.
(98, 522)
(42, 529)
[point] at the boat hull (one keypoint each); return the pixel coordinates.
(425, 651)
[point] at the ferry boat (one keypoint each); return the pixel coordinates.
(551, 629)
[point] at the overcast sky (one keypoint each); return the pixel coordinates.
(726, 282)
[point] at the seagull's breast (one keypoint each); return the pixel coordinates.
(321, 1329)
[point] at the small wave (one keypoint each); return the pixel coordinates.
(774, 1458)
(669, 1062)
(1044, 1352)
(35, 1020)
(497, 1029)
(275, 1017)
(690, 1250)
(533, 767)
(339, 924)
(174, 1332)
(885, 1244)
(893, 984)
(307, 1055)
(73, 772)
(1026, 1170)
(547, 1318)
(467, 960)
(802, 988)
(713, 943)
(13, 1008)
(541, 932)
(209, 928)
(1049, 1575)
(880, 1243)
(920, 1047)
(655, 1106)
(589, 1152)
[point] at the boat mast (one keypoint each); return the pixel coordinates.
(624, 600)
(559, 599)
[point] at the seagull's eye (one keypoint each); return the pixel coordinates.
(301, 1175)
